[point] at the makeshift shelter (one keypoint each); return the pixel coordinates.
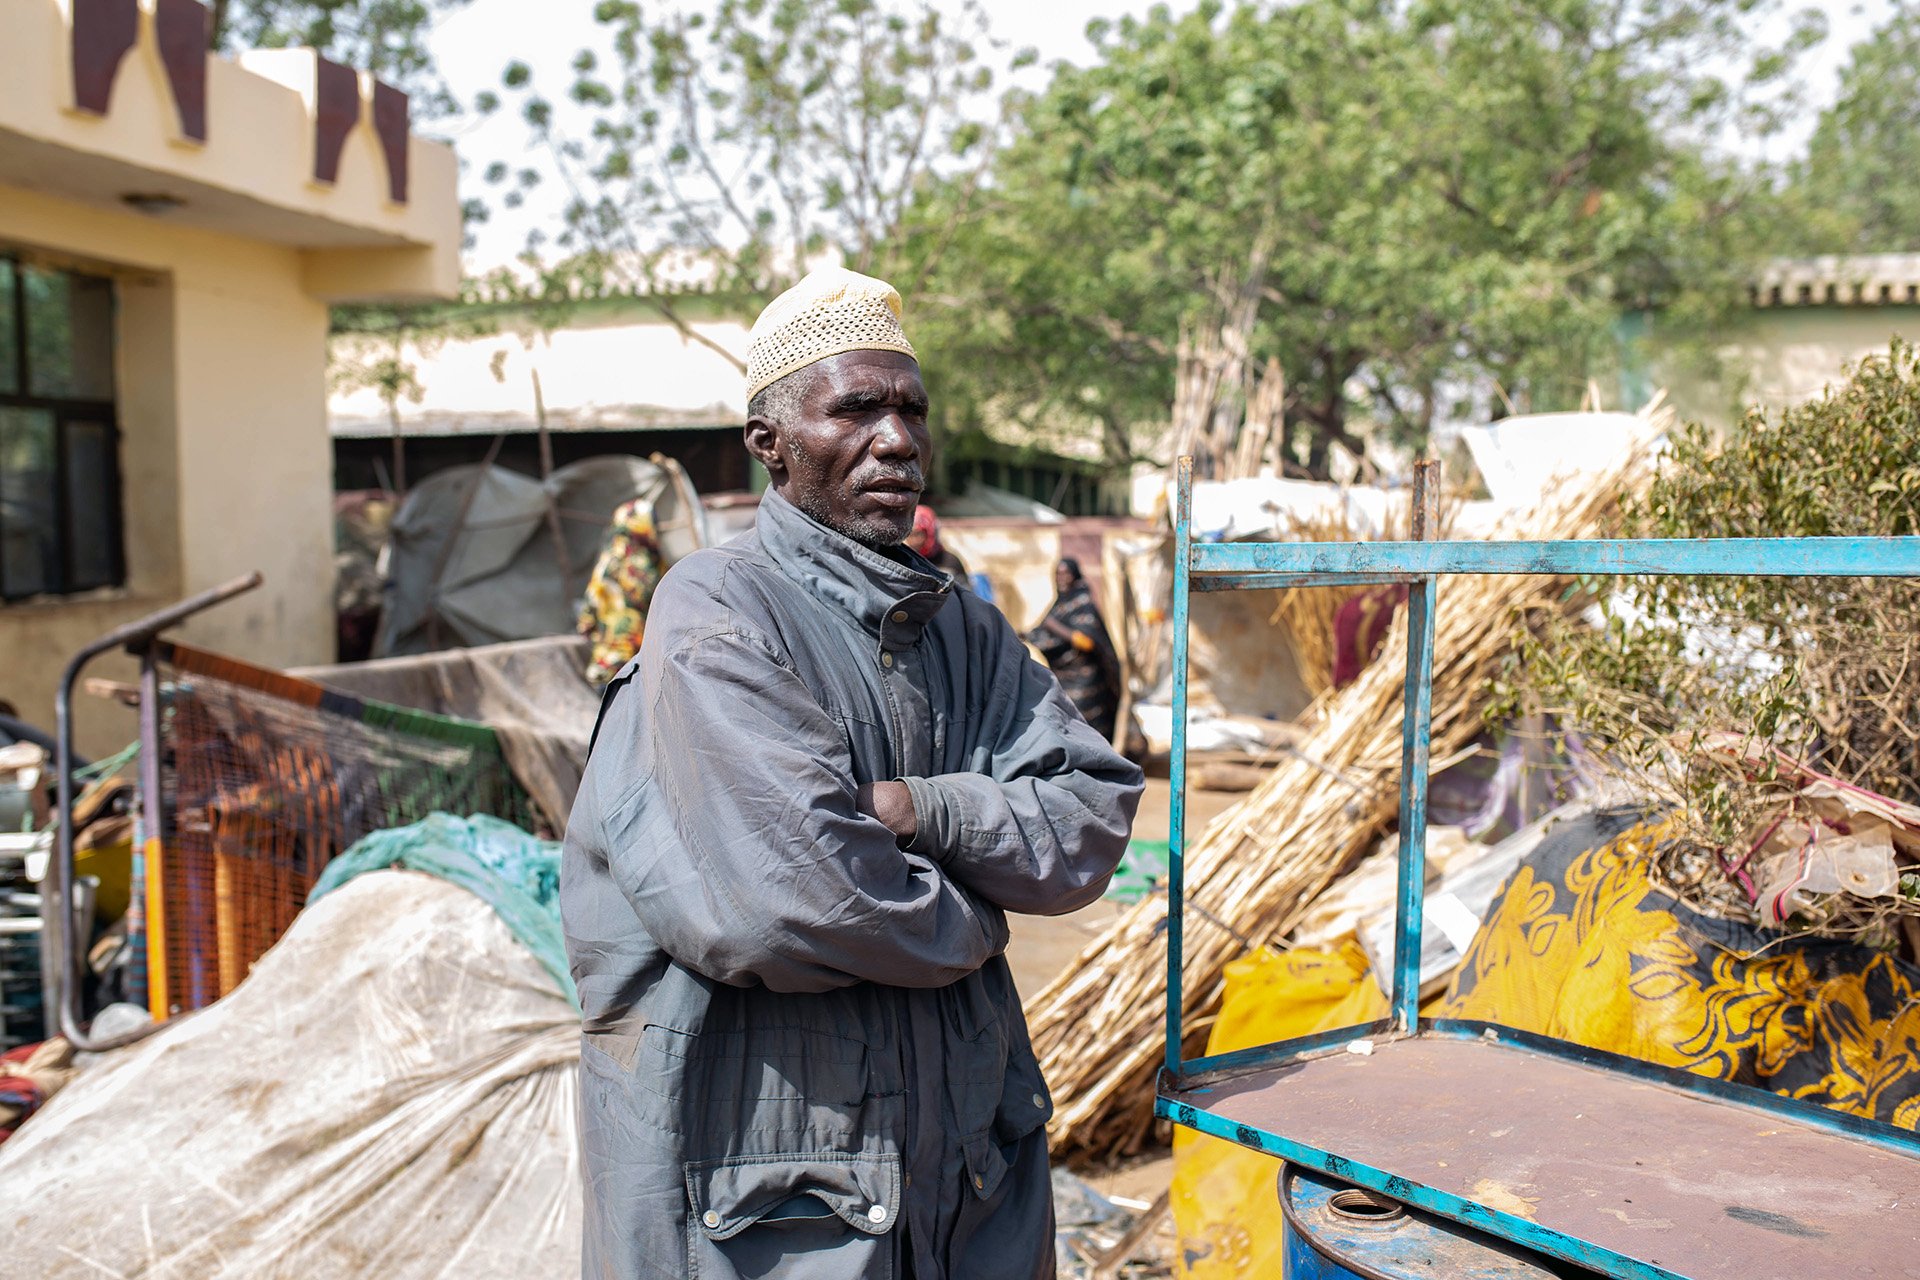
(481, 554)
(530, 693)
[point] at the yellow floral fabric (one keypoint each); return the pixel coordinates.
(1583, 947)
(614, 615)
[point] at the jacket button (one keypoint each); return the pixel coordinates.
(1039, 1101)
(979, 1181)
(877, 1214)
(899, 615)
(886, 659)
(711, 1218)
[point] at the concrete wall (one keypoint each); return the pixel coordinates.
(221, 330)
(1243, 661)
(1017, 557)
(1784, 355)
(221, 371)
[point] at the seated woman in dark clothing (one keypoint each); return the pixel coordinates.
(1074, 641)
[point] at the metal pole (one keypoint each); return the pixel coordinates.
(1177, 760)
(56, 900)
(546, 475)
(153, 838)
(1415, 750)
(399, 477)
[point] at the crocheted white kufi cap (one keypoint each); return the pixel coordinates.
(833, 310)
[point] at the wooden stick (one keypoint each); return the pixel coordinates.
(1107, 1265)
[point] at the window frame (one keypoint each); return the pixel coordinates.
(67, 412)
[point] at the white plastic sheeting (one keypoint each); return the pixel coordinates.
(1265, 507)
(392, 1092)
(1523, 459)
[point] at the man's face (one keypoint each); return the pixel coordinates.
(854, 450)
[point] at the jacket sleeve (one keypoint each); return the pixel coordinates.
(741, 850)
(1041, 822)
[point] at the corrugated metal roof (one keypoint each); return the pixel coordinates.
(1840, 280)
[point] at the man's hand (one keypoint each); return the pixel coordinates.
(892, 804)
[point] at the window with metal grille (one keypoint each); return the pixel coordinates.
(59, 435)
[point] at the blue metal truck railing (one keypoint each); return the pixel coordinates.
(1420, 564)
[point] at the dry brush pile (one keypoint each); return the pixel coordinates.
(1810, 676)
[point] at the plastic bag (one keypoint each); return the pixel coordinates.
(517, 874)
(1226, 1200)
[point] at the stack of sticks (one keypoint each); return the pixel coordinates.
(1250, 877)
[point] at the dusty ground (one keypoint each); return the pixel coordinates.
(1043, 946)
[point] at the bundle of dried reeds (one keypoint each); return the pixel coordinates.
(1255, 870)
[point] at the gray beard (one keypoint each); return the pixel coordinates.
(878, 537)
(867, 533)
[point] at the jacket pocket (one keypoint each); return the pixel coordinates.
(976, 1054)
(805, 1215)
(986, 1164)
(1025, 1103)
(761, 1089)
(993, 1081)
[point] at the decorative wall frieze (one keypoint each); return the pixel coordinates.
(175, 32)
(103, 32)
(336, 110)
(181, 29)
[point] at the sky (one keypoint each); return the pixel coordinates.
(472, 44)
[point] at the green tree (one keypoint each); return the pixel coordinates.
(725, 148)
(1399, 203)
(1859, 187)
(386, 37)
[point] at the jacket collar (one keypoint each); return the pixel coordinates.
(893, 599)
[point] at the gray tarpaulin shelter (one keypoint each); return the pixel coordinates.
(472, 558)
(533, 694)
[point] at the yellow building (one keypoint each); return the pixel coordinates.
(1807, 320)
(173, 229)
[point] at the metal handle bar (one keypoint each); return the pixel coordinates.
(63, 950)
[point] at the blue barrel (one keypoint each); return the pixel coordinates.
(1336, 1231)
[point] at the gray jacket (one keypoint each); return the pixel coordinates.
(804, 1056)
